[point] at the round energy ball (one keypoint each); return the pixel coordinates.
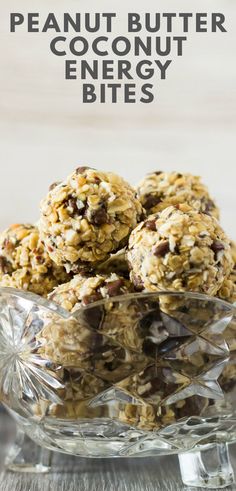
(179, 249)
(24, 262)
(87, 217)
(159, 190)
(82, 290)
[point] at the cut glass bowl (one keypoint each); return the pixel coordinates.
(130, 376)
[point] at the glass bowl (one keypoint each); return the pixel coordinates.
(143, 374)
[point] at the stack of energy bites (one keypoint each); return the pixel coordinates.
(98, 238)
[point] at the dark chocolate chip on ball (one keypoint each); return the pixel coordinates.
(162, 249)
(151, 225)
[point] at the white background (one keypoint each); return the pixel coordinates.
(45, 131)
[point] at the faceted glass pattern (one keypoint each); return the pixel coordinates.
(141, 374)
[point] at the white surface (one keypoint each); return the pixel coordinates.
(45, 131)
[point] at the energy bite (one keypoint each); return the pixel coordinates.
(159, 190)
(179, 249)
(99, 365)
(74, 343)
(86, 217)
(24, 262)
(82, 290)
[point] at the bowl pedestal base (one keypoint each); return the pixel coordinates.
(208, 467)
(24, 455)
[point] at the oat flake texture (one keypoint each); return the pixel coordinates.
(82, 290)
(179, 249)
(24, 262)
(88, 216)
(159, 190)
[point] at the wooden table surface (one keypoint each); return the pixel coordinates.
(77, 474)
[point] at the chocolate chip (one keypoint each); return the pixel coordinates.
(94, 297)
(216, 247)
(99, 217)
(193, 407)
(53, 185)
(149, 319)
(109, 366)
(176, 249)
(153, 332)
(94, 317)
(183, 309)
(80, 170)
(5, 265)
(151, 201)
(138, 283)
(155, 385)
(39, 259)
(66, 376)
(77, 206)
(114, 287)
(71, 203)
(151, 225)
(142, 216)
(209, 206)
(49, 270)
(162, 249)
